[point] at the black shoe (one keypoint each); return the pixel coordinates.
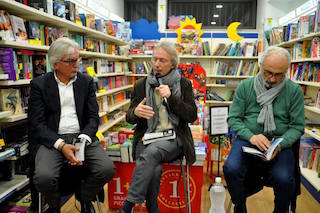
(87, 207)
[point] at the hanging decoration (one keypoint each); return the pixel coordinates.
(189, 31)
(232, 31)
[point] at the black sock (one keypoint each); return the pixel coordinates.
(127, 206)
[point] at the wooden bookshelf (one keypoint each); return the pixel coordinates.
(305, 60)
(102, 114)
(228, 77)
(5, 114)
(118, 105)
(14, 118)
(303, 38)
(21, 82)
(136, 75)
(109, 74)
(312, 134)
(221, 85)
(219, 103)
(111, 123)
(200, 57)
(312, 109)
(88, 54)
(308, 83)
(7, 188)
(33, 14)
(311, 176)
(4, 76)
(108, 92)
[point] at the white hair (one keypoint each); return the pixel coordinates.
(279, 51)
(171, 49)
(60, 48)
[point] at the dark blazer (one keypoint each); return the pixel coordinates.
(44, 109)
(184, 107)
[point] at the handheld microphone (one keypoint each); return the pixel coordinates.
(158, 77)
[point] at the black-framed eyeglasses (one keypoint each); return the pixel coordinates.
(269, 74)
(72, 61)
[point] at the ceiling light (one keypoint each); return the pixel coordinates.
(219, 6)
(215, 16)
(213, 22)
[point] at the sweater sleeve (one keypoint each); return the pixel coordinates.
(297, 119)
(237, 114)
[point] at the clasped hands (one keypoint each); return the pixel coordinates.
(263, 144)
(145, 111)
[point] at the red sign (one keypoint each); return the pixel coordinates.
(171, 194)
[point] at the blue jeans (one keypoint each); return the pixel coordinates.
(278, 173)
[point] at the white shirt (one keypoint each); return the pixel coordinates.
(69, 122)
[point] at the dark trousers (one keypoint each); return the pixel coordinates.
(49, 162)
(145, 182)
(278, 173)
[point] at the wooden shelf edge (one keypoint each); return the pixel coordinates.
(111, 123)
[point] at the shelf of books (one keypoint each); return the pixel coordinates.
(7, 188)
(109, 74)
(108, 92)
(228, 77)
(136, 75)
(102, 114)
(118, 105)
(311, 176)
(89, 54)
(7, 153)
(220, 85)
(308, 83)
(33, 14)
(312, 134)
(23, 45)
(111, 123)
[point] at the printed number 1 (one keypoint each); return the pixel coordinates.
(118, 188)
(174, 189)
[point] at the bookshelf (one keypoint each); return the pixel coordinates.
(5, 114)
(7, 188)
(311, 89)
(111, 123)
(108, 92)
(109, 74)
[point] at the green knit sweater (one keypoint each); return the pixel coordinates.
(288, 110)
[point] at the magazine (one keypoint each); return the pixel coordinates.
(265, 155)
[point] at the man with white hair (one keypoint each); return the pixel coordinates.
(63, 110)
(265, 107)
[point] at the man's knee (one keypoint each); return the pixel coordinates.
(106, 172)
(45, 181)
(231, 169)
(283, 179)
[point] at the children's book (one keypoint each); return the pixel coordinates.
(265, 155)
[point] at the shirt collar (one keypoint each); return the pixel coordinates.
(59, 82)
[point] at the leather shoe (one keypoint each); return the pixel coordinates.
(87, 207)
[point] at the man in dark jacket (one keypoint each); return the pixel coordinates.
(63, 109)
(160, 103)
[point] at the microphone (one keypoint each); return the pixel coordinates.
(158, 77)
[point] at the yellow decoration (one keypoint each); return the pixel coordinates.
(99, 135)
(232, 31)
(188, 30)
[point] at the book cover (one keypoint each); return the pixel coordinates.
(70, 11)
(265, 155)
(38, 4)
(19, 29)
(6, 32)
(59, 8)
(10, 100)
(33, 31)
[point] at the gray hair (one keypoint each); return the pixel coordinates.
(171, 49)
(59, 48)
(279, 51)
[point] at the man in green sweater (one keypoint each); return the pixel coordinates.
(265, 107)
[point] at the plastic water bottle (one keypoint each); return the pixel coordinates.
(217, 197)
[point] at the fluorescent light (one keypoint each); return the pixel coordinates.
(215, 16)
(213, 22)
(219, 6)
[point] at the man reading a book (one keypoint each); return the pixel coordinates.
(265, 107)
(161, 106)
(63, 113)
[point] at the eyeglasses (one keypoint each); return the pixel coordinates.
(269, 74)
(72, 61)
(160, 60)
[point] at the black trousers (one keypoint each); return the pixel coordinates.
(49, 163)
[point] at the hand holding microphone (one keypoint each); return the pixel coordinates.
(163, 90)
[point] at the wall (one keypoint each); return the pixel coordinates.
(114, 6)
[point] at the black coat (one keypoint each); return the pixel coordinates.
(44, 109)
(184, 107)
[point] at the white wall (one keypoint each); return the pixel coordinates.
(114, 6)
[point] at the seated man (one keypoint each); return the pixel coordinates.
(264, 107)
(160, 102)
(63, 109)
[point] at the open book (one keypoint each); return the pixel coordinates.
(267, 154)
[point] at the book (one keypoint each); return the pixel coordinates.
(158, 136)
(19, 29)
(265, 155)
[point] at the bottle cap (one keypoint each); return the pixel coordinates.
(218, 179)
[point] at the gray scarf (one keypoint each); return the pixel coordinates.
(172, 79)
(265, 98)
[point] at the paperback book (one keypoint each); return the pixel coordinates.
(265, 155)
